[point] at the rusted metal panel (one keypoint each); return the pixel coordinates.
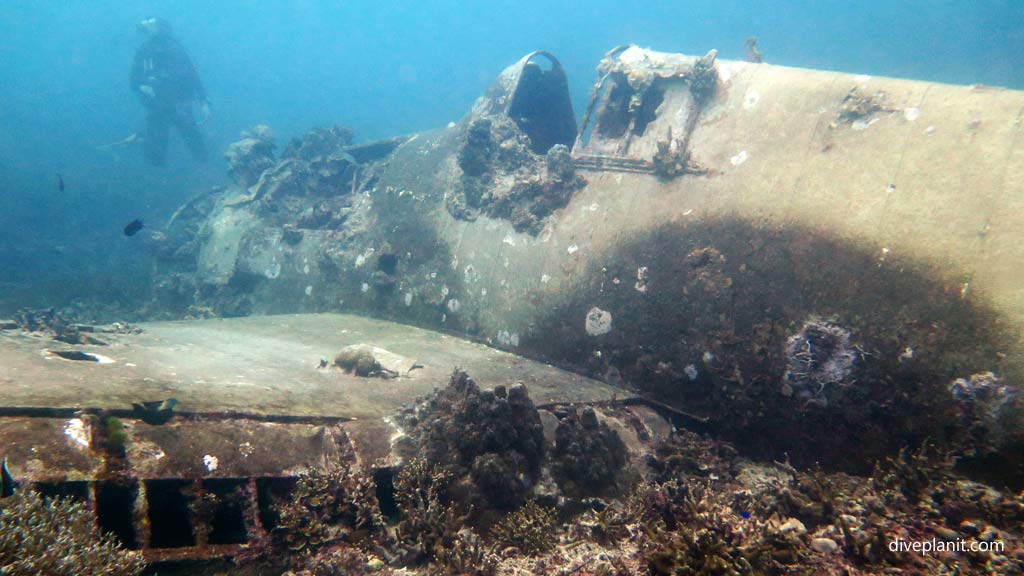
(48, 449)
(230, 449)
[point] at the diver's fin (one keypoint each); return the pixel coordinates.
(6, 481)
(131, 140)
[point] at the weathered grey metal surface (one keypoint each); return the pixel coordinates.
(264, 366)
(941, 179)
(889, 207)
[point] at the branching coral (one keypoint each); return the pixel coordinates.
(531, 528)
(429, 526)
(57, 537)
(328, 506)
(467, 556)
(911, 473)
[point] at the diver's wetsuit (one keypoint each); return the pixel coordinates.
(162, 64)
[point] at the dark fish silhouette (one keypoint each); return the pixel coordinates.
(156, 412)
(6, 481)
(132, 227)
(60, 182)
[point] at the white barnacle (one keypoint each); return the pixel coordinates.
(691, 372)
(210, 462)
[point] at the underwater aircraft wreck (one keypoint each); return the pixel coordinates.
(814, 266)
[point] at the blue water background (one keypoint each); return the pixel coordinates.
(382, 68)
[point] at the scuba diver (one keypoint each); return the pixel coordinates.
(168, 86)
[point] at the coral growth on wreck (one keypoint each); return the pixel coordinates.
(986, 409)
(530, 528)
(57, 537)
(588, 456)
(329, 506)
(493, 440)
(692, 506)
(501, 177)
(251, 155)
(818, 356)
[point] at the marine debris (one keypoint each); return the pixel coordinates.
(56, 325)
(250, 156)
(622, 127)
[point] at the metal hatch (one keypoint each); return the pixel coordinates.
(643, 98)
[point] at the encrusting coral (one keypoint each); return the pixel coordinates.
(492, 440)
(588, 456)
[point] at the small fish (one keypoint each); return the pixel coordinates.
(60, 182)
(156, 412)
(745, 514)
(132, 227)
(6, 481)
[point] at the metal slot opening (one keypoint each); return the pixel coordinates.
(649, 103)
(268, 492)
(227, 522)
(384, 480)
(115, 510)
(169, 515)
(75, 490)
